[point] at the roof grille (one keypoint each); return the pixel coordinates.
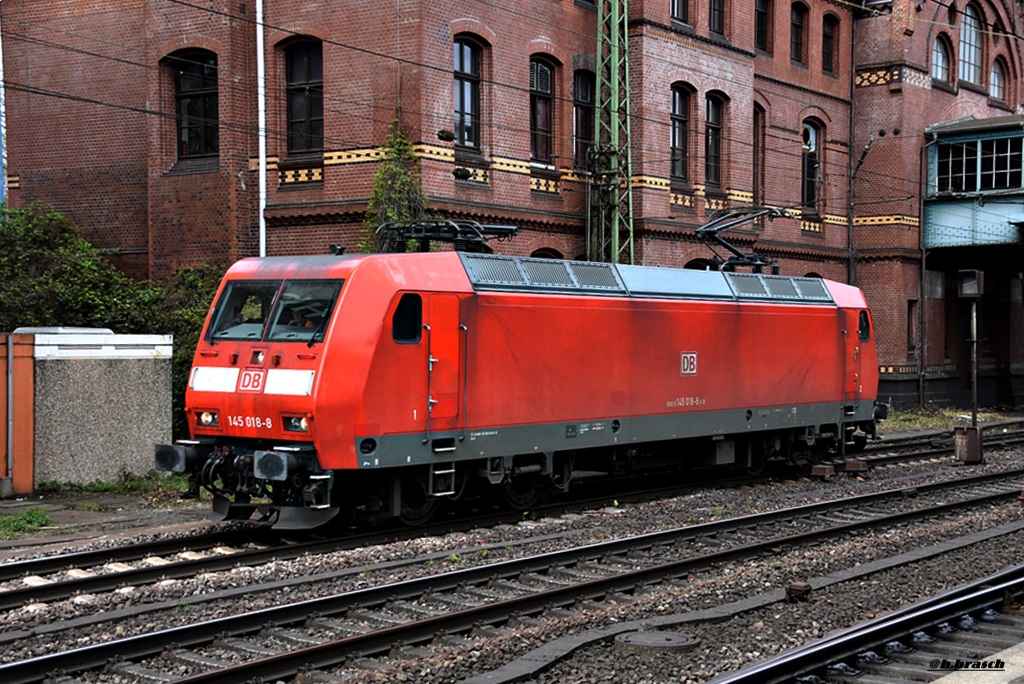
(547, 272)
(493, 271)
(594, 275)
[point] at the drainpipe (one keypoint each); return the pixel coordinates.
(851, 266)
(10, 410)
(261, 114)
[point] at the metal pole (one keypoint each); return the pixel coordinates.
(261, 115)
(974, 363)
(10, 407)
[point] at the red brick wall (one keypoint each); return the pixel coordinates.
(103, 149)
(67, 147)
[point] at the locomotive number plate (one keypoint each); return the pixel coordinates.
(250, 422)
(688, 363)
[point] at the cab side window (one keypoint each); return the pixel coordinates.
(407, 321)
(864, 329)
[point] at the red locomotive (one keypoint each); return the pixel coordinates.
(376, 385)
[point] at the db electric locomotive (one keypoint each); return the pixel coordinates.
(375, 386)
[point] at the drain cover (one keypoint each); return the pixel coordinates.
(642, 641)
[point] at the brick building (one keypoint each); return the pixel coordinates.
(146, 123)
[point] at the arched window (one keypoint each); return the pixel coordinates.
(760, 128)
(304, 69)
(680, 132)
(811, 136)
(997, 81)
(546, 253)
(970, 46)
(196, 110)
(700, 265)
(542, 114)
(830, 44)
(583, 97)
(940, 60)
(467, 93)
(713, 125)
(798, 32)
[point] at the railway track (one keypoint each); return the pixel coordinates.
(923, 447)
(55, 578)
(968, 629)
(359, 629)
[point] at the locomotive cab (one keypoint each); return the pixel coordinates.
(250, 401)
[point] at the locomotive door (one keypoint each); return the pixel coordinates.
(858, 332)
(444, 362)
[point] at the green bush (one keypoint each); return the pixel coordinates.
(180, 311)
(50, 275)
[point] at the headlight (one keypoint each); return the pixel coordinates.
(296, 424)
(208, 419)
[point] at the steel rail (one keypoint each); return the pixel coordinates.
(11, 570)
(805, 660)
(133, 648)
(110, 581)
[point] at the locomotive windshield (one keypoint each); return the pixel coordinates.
(278, 311)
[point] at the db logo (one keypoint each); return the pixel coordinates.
(688, 363)
(251, 380)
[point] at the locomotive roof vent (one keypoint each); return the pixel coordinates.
(490, 272)
(496, 272)
(757, 286)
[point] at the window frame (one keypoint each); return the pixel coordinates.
(811, 135)
(941, 72)
(829, 44)
(680, 111)
(196, 109)
(716, 17)
(584, 101)
(997, 80)
(798, 21)
(763, 25)
(467, 86)
(679, 10)
(542, 112)
(714, 126)
(759, 144)
(1001, 158)
(951, 166)
(304, 97)
(971, 54)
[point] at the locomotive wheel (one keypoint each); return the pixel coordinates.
(417, 506)
(522, 492)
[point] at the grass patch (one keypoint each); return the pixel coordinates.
(934, 419)
(30, 520)
(159, 488)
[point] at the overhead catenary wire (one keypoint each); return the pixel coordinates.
(832, 164)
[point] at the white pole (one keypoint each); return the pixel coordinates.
(261, 107)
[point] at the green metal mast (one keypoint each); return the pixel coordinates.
(610, 236)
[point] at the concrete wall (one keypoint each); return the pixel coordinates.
(101, 402)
